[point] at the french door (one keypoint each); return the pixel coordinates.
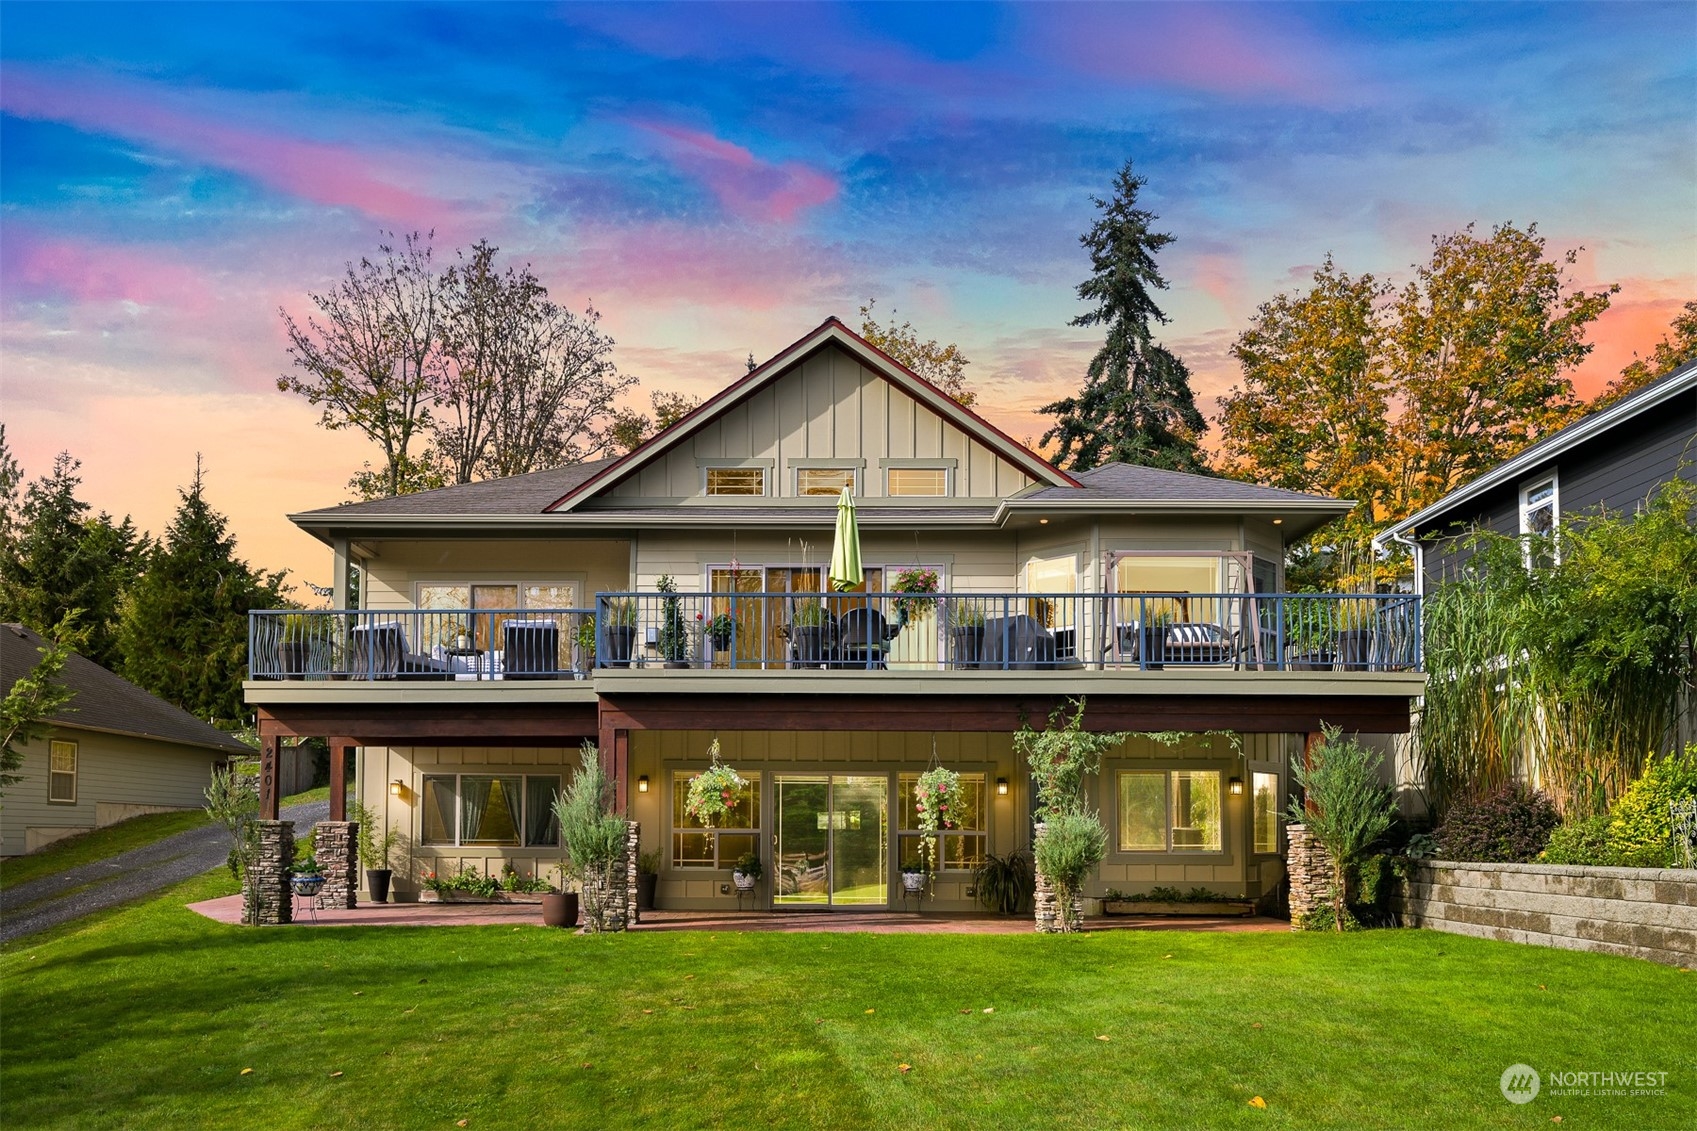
(830, 847)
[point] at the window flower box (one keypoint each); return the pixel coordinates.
(428, 896)
(1217, 908)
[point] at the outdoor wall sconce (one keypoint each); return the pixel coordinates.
(1236, 786)
(642, 784)
(1001, 787)
(397, 788)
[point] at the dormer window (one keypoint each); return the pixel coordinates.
(736, 481)
(824, 480)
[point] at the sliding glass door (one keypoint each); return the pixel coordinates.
(831, 847)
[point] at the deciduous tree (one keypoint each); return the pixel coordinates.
(943, 366)
(631, 427)
(35, 699)
(1136, 405)
(1677, 347)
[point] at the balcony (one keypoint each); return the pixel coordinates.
(421, 645)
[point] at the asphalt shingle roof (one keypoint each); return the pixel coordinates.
(1130, 482)
(516, 494)
(107, 702)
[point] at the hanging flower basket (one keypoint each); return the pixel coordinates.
(939, 803)
(715, 791)
(915, 581)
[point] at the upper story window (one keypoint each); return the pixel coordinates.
(736, 481)
(1539, 502)
(824, 480)
(917, 481)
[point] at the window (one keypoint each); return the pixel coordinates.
(694, 845)
(62, 773)
(1538, 503)
(497, 810)
(824, 480)
(486, 632)
(736, 481)
(915, 481)
(1169, 811)
(1266, 804)
(958, 850)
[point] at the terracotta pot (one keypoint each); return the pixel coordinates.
(559, 909)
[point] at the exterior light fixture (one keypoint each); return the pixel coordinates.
(397, 788)
(1042, 522)
(1001, 787)
(1278, 522)
(1236, 786)
(642, 784)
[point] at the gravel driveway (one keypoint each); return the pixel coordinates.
(79, 891)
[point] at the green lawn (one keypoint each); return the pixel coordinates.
(100, 844)
(148, 1017)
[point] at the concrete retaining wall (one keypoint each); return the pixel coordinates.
(1638, 912)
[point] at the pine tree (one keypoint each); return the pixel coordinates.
(55, 559)
(184, 632)
(1136, 405)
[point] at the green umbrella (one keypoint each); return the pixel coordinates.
(845, 551)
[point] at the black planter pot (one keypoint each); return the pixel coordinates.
(621, 640)
(1154, 646)
(294, 657)
(1318, 660)
(807, 646)
(1355, 648)
(559, 909)
(377, 883)
(969, 645)
(646, 885)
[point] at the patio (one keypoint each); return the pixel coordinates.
(228, 909)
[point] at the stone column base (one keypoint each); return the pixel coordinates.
(337, 852)
(617, 900)
(1047, 901)
(269, 899)
(1310, 869)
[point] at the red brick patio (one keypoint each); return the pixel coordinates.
(228, 909)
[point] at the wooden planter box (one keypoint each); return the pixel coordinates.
(1156, 907)
(428, 896)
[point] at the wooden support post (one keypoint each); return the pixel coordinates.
(1312, 743)
(614, 748)
(269, 806)
(340, 750)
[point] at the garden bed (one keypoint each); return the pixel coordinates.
(468, 897)
(1177, 908)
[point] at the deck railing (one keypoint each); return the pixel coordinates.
(421, 644)
(764, 631)
(1009, 631)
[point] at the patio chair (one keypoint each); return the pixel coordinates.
(379, 651)
(531, 649)
(1197, 642)
(1020, 643)
(863, 639)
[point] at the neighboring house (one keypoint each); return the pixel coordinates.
(506, 622)
(1614, 458)
(114, 752)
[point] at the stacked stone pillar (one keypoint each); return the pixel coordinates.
(1048, 902)
(618, 899)
(1310, 869)
(268, 897)
(336, 849)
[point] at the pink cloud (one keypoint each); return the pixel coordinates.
(333, 175)
(90, 273)
(745, 185)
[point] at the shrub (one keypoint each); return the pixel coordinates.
(592, 835)
(1071, 847)
(1580, 842)
(1347, 808)
(1509, 825)
(1640, 824)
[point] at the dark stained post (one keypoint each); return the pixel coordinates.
(1315, 738)
(268, 799)
(613, 744)
(340, 749)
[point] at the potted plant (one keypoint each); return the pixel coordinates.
(717, 632)
(748, 871)
(1311, 644)
(455, 633)
(585, 646)
(914, 584)
(375, 851)
(647, 880)
(806, 633)
(1153, 637)
(715, 791)
(1355, 634)
(913, 877)
(559, 908)
(621, 631)
(939, 803)
(294, 652)
(673, 640)
(966, 632)
(306, 876)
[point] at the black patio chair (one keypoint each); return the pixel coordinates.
(863, 639)
(1020, 643)
(531, 649)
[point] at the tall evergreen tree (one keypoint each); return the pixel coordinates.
(184, 632)
(54, 559)
(1136, 405)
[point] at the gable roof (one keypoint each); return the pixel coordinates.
(1134, 482)
(513, 495)
(106, 702)
(1657, 393)
(830, 331)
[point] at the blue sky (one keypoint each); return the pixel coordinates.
(717, 179)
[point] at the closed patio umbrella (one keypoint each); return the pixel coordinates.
(846, 573)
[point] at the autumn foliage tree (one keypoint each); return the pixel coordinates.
(1678, 347)
(942, 365)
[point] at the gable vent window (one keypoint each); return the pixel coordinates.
(736, 481)
(823, 480)
(919, 481)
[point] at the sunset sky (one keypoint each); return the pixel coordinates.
(720, 179)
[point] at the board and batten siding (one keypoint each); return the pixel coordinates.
(114, 772)
(829, 406)
(970, 561)
(596, 565)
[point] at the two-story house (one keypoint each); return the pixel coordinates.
(678, 596)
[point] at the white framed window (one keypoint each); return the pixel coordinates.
(1168, 810)
(736, 481)
(732, 836)
(502, 598)
(916, 482)
(826, 481)
(1265, 803)
(490, 810)
(62, 772)
(1540, 511)
(961, 849)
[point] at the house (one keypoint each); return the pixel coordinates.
(1612, 458)
(112, 753)
(677, 597)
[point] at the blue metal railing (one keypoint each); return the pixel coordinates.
(420, 644)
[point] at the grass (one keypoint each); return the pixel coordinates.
(147, 1016)
(100, 844)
